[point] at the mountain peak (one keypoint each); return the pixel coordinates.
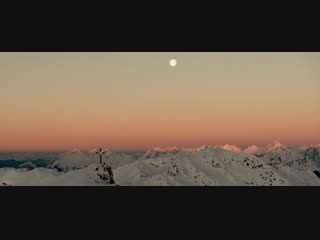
(253, 149)
(229, 148)
(276, 146)
(201, 148)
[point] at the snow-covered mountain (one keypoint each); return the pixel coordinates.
(274, 164)
(213, 166)
(229, 148)
(255, 150)
(47, 177)
(224, 165)
(276, 146)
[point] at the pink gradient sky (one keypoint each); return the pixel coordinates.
(133, 101)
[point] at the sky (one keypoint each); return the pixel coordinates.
(55, 101)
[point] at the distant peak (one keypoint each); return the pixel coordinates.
(229, 148)
(254, 149)
(201, 148)
(165, 149)
(275, 146)
(162, 150)
(252, 146)
(276, 143)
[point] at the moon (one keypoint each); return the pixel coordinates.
(173, 62)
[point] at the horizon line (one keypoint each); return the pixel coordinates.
(148, 148)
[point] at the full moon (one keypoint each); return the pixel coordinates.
(173, 62)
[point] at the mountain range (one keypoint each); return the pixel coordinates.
(220, 165)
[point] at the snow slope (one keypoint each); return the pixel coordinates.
(44, 177)
(213, 166)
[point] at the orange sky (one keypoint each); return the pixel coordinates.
(132, 101)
